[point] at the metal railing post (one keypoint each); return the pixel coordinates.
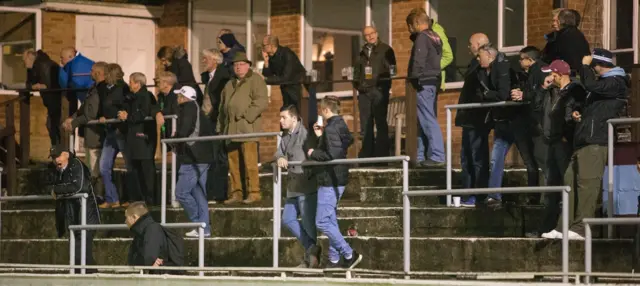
(449, 155)
(587, 250)
(72, 251)
(406, 220)
(277, 200)
(610, 207)
(83, 233)
(201, 247)
(565, 235)
(174, 166)
(72, 145)
(163, 180)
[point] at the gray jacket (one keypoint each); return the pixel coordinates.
(89, 110)
(292, 148)
(424, 64)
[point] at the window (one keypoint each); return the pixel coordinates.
(18, 33)
(502, 20)
(622, 38)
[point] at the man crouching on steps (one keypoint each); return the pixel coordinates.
(302, 195)
(332, 141)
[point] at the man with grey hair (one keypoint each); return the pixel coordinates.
(216, 77)
(567, 42)
(166, 102)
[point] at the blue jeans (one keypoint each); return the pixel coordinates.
(305, 207)
(114, 143)
(429, 134)
(327, 222)
(474, 157)
(191, 192)
(502, 142)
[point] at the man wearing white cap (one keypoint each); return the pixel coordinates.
(195, 159)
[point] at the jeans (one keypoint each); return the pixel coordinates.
(191, 192)
(305, 207)
(114, 143)
(327, 222)
(429, 129)
(474, 157)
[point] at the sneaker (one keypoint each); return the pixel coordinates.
(194, 233)
(104, 205)
(574, 236)
(469, 203)
(333, 264)
(493, 202)
(431, 164)
(315, 253)
(554, 234)
(356, 258)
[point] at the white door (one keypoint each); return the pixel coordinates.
(96, 38)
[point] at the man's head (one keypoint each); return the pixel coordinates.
(67, 54)
(186, 94)
(602, 61)
(166, 81)
(486, 55)
(555, 24)
(60, 156)
(370, 34)
(99, 71)
(528, 56)
(289, 117)
(226, 40)
(329, 106)
(568, 18)
(241, 65)
(417, 20)
(28, 58)
(211, 58)
(134, 212)
(270, 44)
(165, 55)
(476, 41)
(136, 81)
(114, 73)
(558, 70)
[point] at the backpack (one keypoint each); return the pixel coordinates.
(175, 247)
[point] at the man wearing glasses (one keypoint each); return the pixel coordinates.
(282, 67)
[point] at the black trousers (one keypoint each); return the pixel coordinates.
(89, 248)
(373, 106)
(217, 175)
(520, 134)
(291, 95)
(73, 102)
(474, 158)
(558, 158)
(54, 116)
(144, 174)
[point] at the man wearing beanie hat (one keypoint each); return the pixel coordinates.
(607, 96)
(244, 98)
(228, 46)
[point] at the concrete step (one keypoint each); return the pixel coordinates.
(427, 254)
(368, 220)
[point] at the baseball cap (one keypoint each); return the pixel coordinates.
(558, 66)
(57, 150)
(186, 91)
(603, 57)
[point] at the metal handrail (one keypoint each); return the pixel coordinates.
(468, 106)
(515, 190)
(85, 227)
(588, 222)
(610, 141)
(164, 143)
(277, 187)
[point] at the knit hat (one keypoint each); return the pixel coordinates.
(602, 57)
(228, 40)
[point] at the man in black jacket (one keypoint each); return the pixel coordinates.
(568, 43)
(373, 85)
(282, 67)
(195, 159)
(42, 73)
(72, 177)
(606, 98)
(332, 142)
(139, 138)
(174, 60)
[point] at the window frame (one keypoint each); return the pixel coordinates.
(608, 21)
(38, 32)
(431, 6)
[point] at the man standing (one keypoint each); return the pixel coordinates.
(372, 80)
(75, 72)
(175, 60)
(229, 46)
(606, 98)
(215, 78)
(195, 159)
(244, 98)
(474, 154)
(568, 43)
(424, 72)
(282, 67)
(90, 110)
(167, 101)
(72, 177)
(302, 194)
(43, 73)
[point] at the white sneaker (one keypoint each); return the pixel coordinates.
(192, 233)
(574, 236)
(554, 234)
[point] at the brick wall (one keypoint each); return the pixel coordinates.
(172, 27)
(591, 25)
(539, 21)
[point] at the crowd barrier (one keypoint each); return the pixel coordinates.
(588, 222)
(84, 227)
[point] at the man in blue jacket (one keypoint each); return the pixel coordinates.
(75, 72)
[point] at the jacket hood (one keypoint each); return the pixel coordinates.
(616, 71)
(141, 224)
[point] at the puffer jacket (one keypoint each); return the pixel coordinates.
(333, 144)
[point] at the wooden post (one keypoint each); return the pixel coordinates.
(634, 102)
(411, 140)
(10, 144)
(25, 128)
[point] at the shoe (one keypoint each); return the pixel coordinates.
(574, 236)
(104, 205)
(194, 233)
(333, 264)
(125, 205)
(116, 205)
(469, 202)
(356, 258)
(315, 253)
(493, 202)
(554, 234)
(234, 199)
(212, 202)
(252, 198)
(431, 164)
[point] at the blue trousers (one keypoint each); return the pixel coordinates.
(114, 143)
(429, 133)
(305, 207)
(327, 222)
(191, 192)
